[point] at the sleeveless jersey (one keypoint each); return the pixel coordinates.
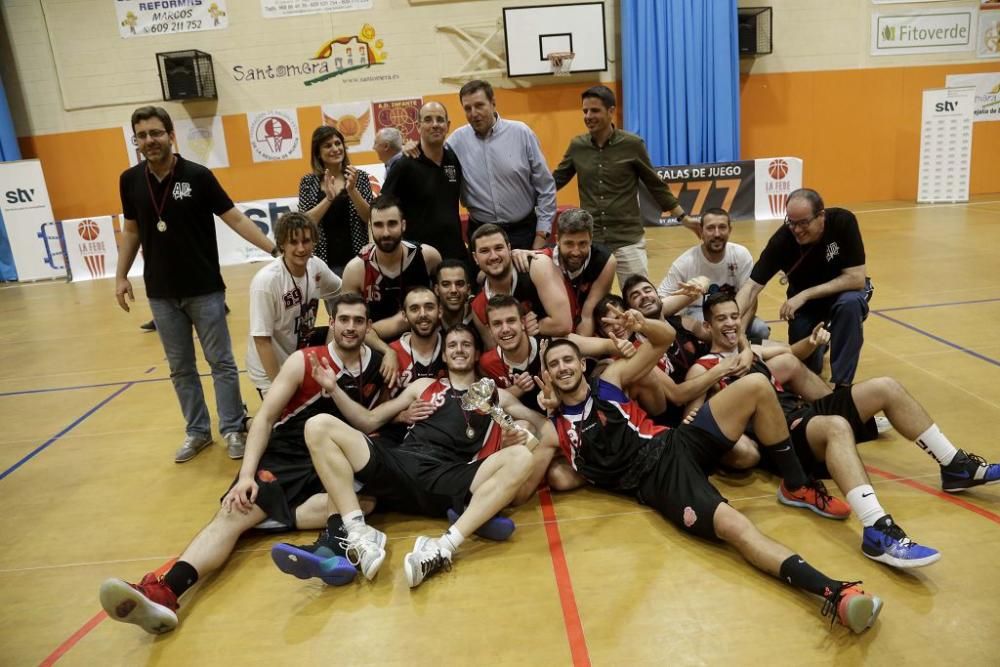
(609, 439)
(494, 364)
(308, 400)
(523, 290)
(411, 368)
(443, 437)
(578, 283)
(384, 294)
(790, 402)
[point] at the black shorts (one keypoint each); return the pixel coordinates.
(404, 481)
(840, 403)
(285, 478)
(677, 486)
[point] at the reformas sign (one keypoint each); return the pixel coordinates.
(922, 32)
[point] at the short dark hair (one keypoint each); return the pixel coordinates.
(602, 93)
(450, 263)
(713, 300)
(386, 201)
(474, 87)
(419, 288)
(560, 342)
(320, 136)
(459, 328)
(145, 113)
(632, 281)
(347, 299)
(291, 222)
(601, 310)
(576, 220)
(717, 211)
(487, 230)
(498, 301)
(810, 196)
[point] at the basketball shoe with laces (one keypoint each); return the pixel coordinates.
(365, 548)
(968, 470)
(324, 559)
(852, 607)
(887, 543)
(814, 496)
(150, 604)
(427, 557)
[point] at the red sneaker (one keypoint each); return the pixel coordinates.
(150, 604)
(814, 496)
(852, 606)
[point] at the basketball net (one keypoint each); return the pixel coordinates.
(562, 62)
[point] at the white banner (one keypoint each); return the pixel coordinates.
(376, 176)
(142, 18)
(354, 121)
(929, 31)
(200, 140)
(946, 145)
(91, 250)
(233, 249)
(27, 215)
(987, 87)
(774, 179)
(274, 135)
(988, 37)
(277, 9)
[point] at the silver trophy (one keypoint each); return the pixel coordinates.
(483, 398)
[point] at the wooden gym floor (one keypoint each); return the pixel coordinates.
(89, 490)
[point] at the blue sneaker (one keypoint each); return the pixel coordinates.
(966, 471)
(498, 529)
(887, 543)
(324, 559)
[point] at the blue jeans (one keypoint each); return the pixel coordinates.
(844, 319)
(207, 313)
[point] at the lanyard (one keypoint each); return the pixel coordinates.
(158, 209)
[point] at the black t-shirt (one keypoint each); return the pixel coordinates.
(429, 195)
(806, 266)
(182, 260)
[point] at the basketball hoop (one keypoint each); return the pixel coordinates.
(562, 62)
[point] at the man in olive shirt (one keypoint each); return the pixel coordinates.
(610, 163)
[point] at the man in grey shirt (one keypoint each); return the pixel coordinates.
(506, 181)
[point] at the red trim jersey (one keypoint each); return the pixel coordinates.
(383, 293)
(522, 289)
(444, 435)
(790, 402)
(608, 438)
(578, 283)
(412, 367)
(496, 365)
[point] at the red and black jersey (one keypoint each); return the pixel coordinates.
(682, 353)
(444, 435)
(790, 402)
(522, 289)
(608, 438)
(578, 283)
(496, 365)
(385, 294)
(364, 385)
(412, 367)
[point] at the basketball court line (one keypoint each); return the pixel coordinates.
(939, 339)
(923, 206)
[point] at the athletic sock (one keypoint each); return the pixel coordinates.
(934, 442)
(801, 574)
(865, 505)
(783, 455)
(180, 577)
(452, 539)
(354, 521)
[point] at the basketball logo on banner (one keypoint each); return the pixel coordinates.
(274, 135)
(777, 187)
(93, 251)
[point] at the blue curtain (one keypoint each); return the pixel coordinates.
(8, 151)
(681, 75)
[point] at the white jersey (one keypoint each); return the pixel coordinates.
(285, 308)
(727, 275)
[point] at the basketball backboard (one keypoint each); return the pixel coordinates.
(531, 33)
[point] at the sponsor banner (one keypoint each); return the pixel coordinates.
(200, 140)
(274, 135)
(929, 31)
(233, 249)
(987, 87)
(91, 250)
(404, 115)
(142, 18)
(776, 178)
(276, 9)
(354, 120)
(728, 185)
(376, 176)
(34, 237)
(988, 37)
(131, 150)
(899, 2)
(946, 145)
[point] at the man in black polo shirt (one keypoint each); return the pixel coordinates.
(428, 187)
(822, 256)
(167, 205)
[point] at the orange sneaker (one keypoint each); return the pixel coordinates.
(150, 604)
(814, 496)
(852, 607)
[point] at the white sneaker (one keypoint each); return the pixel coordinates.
(366, 550)
(883, 424)
(427, 557)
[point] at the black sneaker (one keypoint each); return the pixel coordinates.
(968, 470)
(324, 559)
(148, 326)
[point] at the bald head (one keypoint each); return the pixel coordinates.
(433, 124)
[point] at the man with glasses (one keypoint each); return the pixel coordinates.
(167, 206)
(822, 257)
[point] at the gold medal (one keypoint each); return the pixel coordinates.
(161, 226)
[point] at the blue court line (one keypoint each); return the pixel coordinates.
(926, 305)
(973, 353)
(21, 392)
(79, 420)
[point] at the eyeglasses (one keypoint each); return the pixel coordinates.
(152, 134)
(793, 224)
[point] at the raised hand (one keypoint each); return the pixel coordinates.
(530, 320)
(322, 372)
(819, 335)
(548, 397)
(625, 347)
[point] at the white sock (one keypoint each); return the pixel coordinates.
(934, 442)
(354, 521)
(865, 505)
(452, 539)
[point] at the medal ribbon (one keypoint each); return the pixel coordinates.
(163, 199)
